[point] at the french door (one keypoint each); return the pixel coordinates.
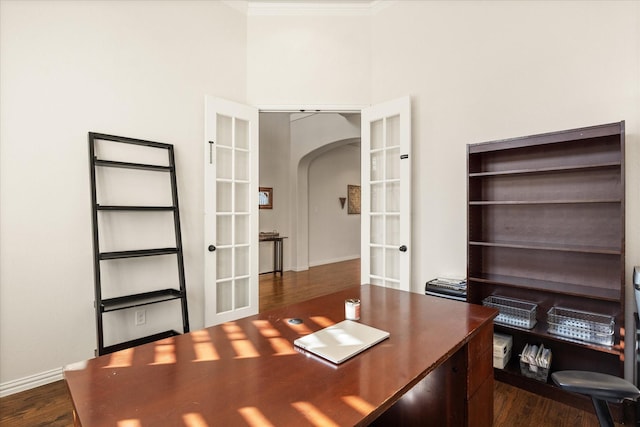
(386, 194)
(231, 204)
(231, 211)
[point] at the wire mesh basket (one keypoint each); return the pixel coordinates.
(581, 325)
(513, 312)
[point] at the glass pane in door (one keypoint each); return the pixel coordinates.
(242, 197)
(242, 229)
(393, 197)
(392, 234)
(241, 293)
(377, 135)
(393, 163)
(242, 261)
(242, 169)
(224, 230)
(224, 134)
(377, 198)
(223, 196)
(392, 131)
(242, 134)
(377, 165)
(223, 263)
(377, 228)
(224, 294)
(224, 163)
(391, 261)
(377, 261)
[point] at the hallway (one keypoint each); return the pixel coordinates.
(277, 291)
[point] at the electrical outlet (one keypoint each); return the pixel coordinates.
(141, 317)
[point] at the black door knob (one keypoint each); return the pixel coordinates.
(403, 248)
(212, 248)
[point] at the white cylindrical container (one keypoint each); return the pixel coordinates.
(352, 309)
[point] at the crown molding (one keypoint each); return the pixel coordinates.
(239, 5)
(315, 7)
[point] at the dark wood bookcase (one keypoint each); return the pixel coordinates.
(546, 225)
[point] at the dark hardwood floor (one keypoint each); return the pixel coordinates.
(50, 405)
(277, 291)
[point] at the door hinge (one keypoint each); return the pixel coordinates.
(211, 152)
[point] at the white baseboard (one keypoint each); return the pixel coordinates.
(32, 381)
(331, 261)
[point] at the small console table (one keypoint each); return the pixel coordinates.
(278, 260)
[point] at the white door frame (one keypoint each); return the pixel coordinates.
(299, 213)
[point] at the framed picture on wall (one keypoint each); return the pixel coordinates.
(353, 193)
(265, 197)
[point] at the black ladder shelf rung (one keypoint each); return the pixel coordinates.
(139, 341)
(132, 141)
(140, 299)
(134, 208)
(137, 300)
(127, 165)
(137, 253)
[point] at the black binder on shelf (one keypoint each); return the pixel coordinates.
(447, 288)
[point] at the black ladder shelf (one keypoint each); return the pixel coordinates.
(105, 305)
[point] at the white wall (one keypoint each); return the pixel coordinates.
(275, 138)
(493, 70)
(334, 235)
(133, 68)
(301, 60)
(311, 137)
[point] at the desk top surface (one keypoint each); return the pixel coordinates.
(247, 372)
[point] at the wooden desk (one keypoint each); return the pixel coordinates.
(436, 367)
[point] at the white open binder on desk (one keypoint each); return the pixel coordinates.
(341, 341)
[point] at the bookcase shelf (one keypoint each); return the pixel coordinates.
(544, 247)
(540, 202)
(579, 290)
(546, 225)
